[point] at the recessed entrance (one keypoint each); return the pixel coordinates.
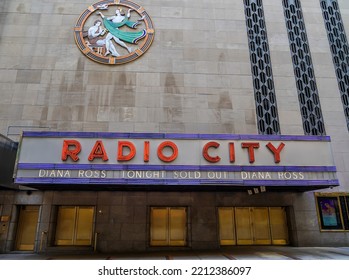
(253, 226)
(27, 227)
(74, 225)
(168, 226)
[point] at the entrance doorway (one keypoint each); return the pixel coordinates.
(168, 226)
(253, 226)
(27, 228)
(74, 225)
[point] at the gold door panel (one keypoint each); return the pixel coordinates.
(159, 226)
(65, 226)
(226, 226)
(84, 226)
(252, 226)
(244, 235)
(178, 220)
(168, 226)
(74, 225)
(27, 226)
(260, 225)
(278, 225)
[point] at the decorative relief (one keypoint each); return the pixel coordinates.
(114, 31)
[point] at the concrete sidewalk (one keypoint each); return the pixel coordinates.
(233, 253)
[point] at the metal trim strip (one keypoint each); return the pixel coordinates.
(53, 134)
(82, 181)
(227, 168)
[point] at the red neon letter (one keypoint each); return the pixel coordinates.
(174, 148)
(231, 152)
(205, 152)
(98, 151)
(146, 151)
(73, 153)
(250, 147)
(131, 154)
(276, 151)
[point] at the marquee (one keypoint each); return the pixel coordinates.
(174, 159)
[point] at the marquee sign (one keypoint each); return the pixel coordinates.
(114, 31)
(174, 159)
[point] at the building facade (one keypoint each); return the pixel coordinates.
(177, 125)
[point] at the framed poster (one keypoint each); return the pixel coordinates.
(329, 213)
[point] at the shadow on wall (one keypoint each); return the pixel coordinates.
(8, 151)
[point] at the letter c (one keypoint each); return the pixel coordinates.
(205, 152)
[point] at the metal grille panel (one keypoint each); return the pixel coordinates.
(266, 107)
(309, 102)
(339, 49)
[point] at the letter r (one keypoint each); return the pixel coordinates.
(71, 148)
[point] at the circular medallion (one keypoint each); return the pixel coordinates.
(114, 32)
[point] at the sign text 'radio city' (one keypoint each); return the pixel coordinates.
(126, 151)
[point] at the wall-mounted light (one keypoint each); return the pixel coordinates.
(257, 190)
